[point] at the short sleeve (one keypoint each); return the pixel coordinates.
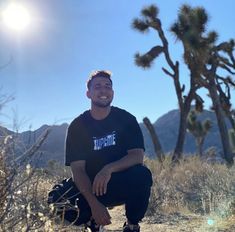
(133, 135)
(75, 143)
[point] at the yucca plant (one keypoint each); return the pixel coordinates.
(199, 129)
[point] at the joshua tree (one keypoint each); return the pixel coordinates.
(156, 142)
(204, 58)
(148, 21)
(198, 129)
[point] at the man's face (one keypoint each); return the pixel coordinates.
(100, 92)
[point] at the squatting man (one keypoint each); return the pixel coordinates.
(105, 150)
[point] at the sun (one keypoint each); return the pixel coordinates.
(16, 17)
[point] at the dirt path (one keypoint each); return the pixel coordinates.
(173, 223)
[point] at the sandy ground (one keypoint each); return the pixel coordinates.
(173, 223)
(168, 223)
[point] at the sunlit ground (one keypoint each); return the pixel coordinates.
(167, 223)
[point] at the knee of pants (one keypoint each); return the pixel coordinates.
(142, 176)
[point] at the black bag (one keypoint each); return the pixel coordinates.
(65, 192)
(65, 198)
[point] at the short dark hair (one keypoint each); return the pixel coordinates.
(98, 73)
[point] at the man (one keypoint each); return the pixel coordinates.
(105, 149)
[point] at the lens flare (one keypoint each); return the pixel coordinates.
(210, 222)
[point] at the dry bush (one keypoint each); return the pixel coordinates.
(21, 199)
(24, 190)
(193, 185)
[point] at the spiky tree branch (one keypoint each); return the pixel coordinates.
(146, 60)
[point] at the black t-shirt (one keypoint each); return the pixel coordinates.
(100, 142)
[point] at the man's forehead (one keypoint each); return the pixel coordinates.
(101, 80)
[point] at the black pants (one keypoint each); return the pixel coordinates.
(130, 187)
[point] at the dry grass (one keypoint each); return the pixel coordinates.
(193, 191)
(193, 186)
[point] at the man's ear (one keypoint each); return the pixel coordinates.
(88, 94)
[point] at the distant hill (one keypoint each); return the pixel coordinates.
(52, 148)
(166, 128)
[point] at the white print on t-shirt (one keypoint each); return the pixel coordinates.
(106, 141)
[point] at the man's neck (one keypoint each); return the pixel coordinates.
(100, 113)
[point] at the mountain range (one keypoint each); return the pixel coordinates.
(166, 128)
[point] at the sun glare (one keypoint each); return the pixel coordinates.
(16, 17)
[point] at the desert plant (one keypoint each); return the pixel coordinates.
(203, 58)
(193, 185)
(150, 20)
(19, 185)
(198, 129)
(156, 142)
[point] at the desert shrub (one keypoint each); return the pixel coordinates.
(24, 189)
(21, 198)
(192, 185)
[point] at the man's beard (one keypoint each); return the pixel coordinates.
(101, 104)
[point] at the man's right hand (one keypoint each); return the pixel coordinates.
(100, 214)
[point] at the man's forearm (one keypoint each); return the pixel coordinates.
(83, 183)
(127, 161)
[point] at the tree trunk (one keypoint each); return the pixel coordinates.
(228, 156)
(156, 143)
(200, 142)
(182, 133)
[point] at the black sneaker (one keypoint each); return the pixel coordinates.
(91, 226)
(131, 228)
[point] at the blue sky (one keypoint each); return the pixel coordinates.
(67, 39)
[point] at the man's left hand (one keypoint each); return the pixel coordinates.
(100, 183)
